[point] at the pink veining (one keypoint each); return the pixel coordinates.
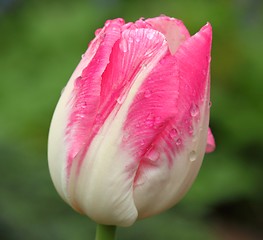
(105, 81)
(177, 85)
(167, 103)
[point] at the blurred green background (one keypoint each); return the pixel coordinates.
(40, 45)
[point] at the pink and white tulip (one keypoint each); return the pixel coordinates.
(129, 132)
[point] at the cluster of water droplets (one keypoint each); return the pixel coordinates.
(175, 136)
(151, 121)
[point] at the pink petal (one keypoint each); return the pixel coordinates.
(173, 29)
(130, 55)
(210, 145)
(86, 94)
(119, 58)
(168, 102)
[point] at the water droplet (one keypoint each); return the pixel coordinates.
(80, 115)
(120, 99)
(147, 93)
(149, 120)
(123, 45)
(190, 129)
(194, 110)
(210, 104)
(83, 55)
(153, 155)
(173, 133)
(84, 105)
(192, 156)
(178, 142)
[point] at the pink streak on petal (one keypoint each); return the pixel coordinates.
(173, 29)
(119, 58)
(161, 117)
(133, 52)
(210, 145)
(86, 94)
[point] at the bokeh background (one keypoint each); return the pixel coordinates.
(40, 45)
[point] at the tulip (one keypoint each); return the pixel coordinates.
(130, 130)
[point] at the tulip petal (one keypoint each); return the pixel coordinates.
(210, 144)
(174, 120)
(173, 29)
(86, 93)
(67, 131)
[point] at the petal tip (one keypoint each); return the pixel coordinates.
(210, 144)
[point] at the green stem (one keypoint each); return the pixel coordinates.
(105, 232)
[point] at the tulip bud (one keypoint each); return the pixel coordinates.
(129, 132)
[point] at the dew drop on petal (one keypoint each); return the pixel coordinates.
(210, 104)
(194, 110)
(192, 156)
(84, 105)
(80, 116)
(142, 142)
(147, 93)
(149, 120)
(190, 129)
(120, 100)
(178, 142)
(153, 155)
(78, 82)
(173, 133)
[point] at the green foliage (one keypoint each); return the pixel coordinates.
(41, 43)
